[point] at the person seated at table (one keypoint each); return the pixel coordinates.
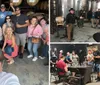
(68, 58)
(96, 54)
(90, 58)
(75, 58)
(75, 62)
(53, 58)
(60, 53)
(53, 61)
(63, 66)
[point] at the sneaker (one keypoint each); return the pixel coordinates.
(21, 56)
(29, 56)
(34, 59)
(41, 57)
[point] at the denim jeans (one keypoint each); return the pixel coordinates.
(33, 47)
(8, 50)
(98, 67)
(45, 50)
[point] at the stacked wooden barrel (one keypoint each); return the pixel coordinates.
(44, 5)
(29, 2)
(41, 5)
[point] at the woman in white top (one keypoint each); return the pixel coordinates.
(75, 59)
(90, 57)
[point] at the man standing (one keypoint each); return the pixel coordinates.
(20, 22)
(68, 59)
(93, 18)
(96, 54)
(70, 21)
(60, 53)
(81, 20)
(97, 17)
(4, 13)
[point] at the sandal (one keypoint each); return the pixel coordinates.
(11, 62)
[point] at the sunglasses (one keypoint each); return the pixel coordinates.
(2, 8)
(8, 18)
(17, 10)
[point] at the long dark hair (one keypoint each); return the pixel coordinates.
(35, 18)
(43, 19)
(9, 17)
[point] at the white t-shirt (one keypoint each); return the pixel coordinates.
(90, 56)
(8, 79)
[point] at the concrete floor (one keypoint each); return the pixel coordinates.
(80, 34)
(28, 72)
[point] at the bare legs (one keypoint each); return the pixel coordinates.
(10, 61)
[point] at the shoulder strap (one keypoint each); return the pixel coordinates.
(34, 29)
(6, 24)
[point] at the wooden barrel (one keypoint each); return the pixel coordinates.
(38, 5)
(39, 15)
(30, 13)
(32, 2)
(42, 6)
(16, 2)
(45, 5)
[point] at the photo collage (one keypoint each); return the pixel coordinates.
(49, 42)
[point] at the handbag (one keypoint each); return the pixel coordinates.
(35, 39)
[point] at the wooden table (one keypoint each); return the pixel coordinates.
(84, 71)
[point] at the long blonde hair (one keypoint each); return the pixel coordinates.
(6, 34)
